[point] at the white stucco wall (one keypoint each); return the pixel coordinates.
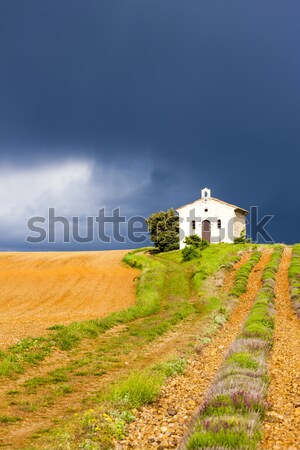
(232, 221)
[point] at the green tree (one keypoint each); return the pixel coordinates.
(243, 239)
(190, 252)
(196, 241)
(164, 230)
(194, 245)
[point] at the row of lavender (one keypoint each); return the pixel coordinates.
(231, 415)
(242, 275)
(294, 276)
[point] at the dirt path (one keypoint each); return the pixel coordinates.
(173, 344)
(165, 423)
(281, 428)
(42, 289)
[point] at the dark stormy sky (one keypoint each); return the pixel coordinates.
(139, 104)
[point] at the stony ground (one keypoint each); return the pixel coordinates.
(174, 344)
(164, 424)
(282, 425)
(60, 287)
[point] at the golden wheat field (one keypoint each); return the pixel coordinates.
(42, 289)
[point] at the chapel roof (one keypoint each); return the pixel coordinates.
(237, 208)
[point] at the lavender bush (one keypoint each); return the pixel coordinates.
(294, 276)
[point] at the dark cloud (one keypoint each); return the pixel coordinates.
(202, 93)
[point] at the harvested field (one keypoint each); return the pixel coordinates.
(42, 289)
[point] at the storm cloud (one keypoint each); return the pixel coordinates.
(139, 105)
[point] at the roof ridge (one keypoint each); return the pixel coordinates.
(216, 199)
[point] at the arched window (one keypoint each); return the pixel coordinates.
(219, 223)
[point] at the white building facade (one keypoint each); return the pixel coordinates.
(211, 219)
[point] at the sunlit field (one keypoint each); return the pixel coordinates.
(42, 289)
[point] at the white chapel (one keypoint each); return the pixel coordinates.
(212, 219)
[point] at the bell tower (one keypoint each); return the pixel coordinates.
(205, 193)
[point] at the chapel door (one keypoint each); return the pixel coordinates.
(206, 230)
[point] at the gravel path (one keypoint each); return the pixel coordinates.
(164, 424)
(281, 429)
